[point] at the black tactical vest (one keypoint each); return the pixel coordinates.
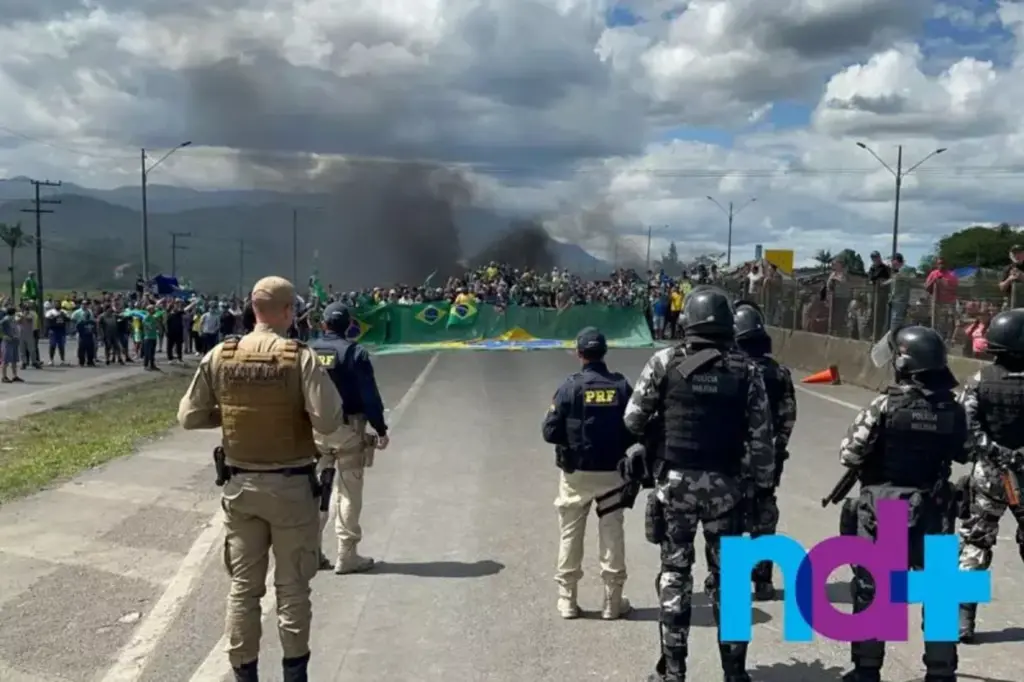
(706, 414)
(334, 355)
(921, 434)
(772, 381)
(594, 429)
(1001, 406)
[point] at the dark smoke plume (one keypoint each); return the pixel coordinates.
(525, 245)
(375, 222)
(595, 227)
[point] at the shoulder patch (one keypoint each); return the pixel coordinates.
(228, 346)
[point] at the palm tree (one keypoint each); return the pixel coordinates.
(824, 257)
(15, 238)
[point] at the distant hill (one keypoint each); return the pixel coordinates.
(92, 232)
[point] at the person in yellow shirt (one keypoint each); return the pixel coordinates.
(464, 297)
(675, 306)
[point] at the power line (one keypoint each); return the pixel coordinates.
(500, 169)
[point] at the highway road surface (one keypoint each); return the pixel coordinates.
(51, 387)
(116, 576)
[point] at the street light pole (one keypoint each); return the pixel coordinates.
(898, 174)
(295, 246)
(730, 213)
(145, 206)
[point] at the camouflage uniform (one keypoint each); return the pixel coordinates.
(691, 498)
(978, 532)
(861, 450)
(765, 514)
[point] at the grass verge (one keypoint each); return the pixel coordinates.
(38, 449)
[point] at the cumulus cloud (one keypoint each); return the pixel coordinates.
(544, 106)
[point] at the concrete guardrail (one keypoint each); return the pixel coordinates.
(814, 352)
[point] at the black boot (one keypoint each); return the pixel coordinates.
(764, 590)
(734, 661)
(968, 615)
(295, 669)
(247, 673)
(859, 674)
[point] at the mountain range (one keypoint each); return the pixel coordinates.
(235, 236)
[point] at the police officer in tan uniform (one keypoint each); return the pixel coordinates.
(267, 394)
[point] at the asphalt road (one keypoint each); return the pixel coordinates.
(51, 387)
(115, 577)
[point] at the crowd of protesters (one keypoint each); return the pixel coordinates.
(137, 326)
(891, 294)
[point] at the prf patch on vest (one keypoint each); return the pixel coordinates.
(327, 360)
(601, 397)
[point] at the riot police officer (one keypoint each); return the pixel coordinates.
(349, 450)
(585, 425)
(903, 445)
(263, 391)
(993, 398)
(715, 450)
(753, 339)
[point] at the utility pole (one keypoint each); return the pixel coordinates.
(898, 174)
(39, 211)
(295, 247)
(649, 230)
(145, 205)
(730, 213)
(175, 248)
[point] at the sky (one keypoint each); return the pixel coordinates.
(637, 110)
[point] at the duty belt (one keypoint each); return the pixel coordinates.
(286, 471)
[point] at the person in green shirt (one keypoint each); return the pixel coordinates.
(150, 337)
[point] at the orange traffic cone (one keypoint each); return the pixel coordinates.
(825, 376)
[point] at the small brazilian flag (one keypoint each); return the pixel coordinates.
(356, 329)
(430, 314)
(461, 314)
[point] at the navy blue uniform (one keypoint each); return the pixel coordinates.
(349, 367)
(585, 421)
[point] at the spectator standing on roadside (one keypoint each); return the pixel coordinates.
(900, 283)
(839, 293)
(150, 337)
(26, 320)
(1013, 277)
(57, 321)
(675, 307)
(942, 283)
(174, 325)
(10, 345)
(85, 326)
(109, 333)
(878, 274)
(209, 329)
(124, 330)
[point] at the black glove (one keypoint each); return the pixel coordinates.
(633, 467)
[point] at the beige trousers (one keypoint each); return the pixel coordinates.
(266, 513)
(576, 493)
(349, 452)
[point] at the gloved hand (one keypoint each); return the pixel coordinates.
(633, 467)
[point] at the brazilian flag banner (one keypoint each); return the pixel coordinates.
(461, 315)
(432, 313)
